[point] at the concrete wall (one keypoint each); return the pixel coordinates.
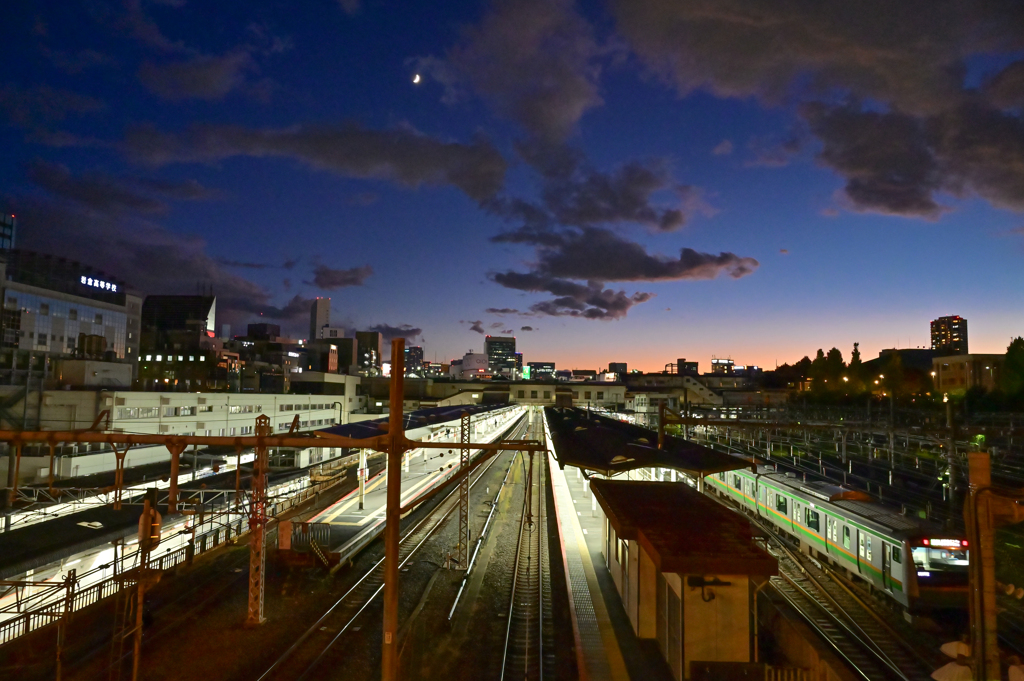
(718, 630)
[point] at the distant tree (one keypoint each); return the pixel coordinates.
(855, 371)
(819, 372)
(835, 367)
(894, 381)
(1012, 379)
(803, 367)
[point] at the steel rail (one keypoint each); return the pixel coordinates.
(370, 573)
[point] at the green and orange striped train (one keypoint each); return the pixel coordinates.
(911, 560)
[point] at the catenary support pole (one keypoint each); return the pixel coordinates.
(395, 444)
(258, 525)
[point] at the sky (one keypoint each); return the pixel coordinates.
(630, 181)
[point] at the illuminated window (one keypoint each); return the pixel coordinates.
(846, 537)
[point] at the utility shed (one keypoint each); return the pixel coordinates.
(686, 568)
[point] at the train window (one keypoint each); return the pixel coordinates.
(869, 548)
(780, 504)
(736, 482)
(811, 519)
(846, 537)
(897, 555)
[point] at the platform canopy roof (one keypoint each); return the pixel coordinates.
(607, 446)
(682, 530)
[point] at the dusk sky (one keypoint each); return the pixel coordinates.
(634, 180)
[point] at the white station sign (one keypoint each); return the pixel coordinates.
(99, 283)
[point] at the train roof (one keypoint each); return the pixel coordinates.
(856, 503)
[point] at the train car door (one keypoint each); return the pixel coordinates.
(887, 567)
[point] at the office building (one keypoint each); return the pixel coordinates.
(179, 346)
(8, 227)
(369, 347)
(949, 336)
(617, 368)
(414, 360)
(501, 354)
(519, 362)
(319, 316)
(59, 307)
(330, 333)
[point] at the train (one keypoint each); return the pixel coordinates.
(911, 560)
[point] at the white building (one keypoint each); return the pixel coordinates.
(177, 413)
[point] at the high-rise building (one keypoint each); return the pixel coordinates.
(501, 354)
(369, 351)
(8, 226)
(617, 368)
(319, 316)
(414, 360)
(949, 336)
(519, 361)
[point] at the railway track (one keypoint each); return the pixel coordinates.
(314, 644)
(872, 648)
(529, 638)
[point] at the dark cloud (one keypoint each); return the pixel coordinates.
(597, 255)
(534, 61)
(110, 194)
(526, 328)
(885, 158)
(350, 150)
(909, 53)
(497, 325)
(73, 63)
(329, 279)
(508, 331)
(146, 256)
(135, 22)
(198, 77)
(1006, 89)
(502, 310)
(574, 193)
(590, 300)
(477, 326)
(603, 255)
(406, 331)
(896, 163)
(40, 105)
(928, 126)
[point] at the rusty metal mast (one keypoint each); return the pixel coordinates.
(393, 515)
(258, 525)
(462, 556)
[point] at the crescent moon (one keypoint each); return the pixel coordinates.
(416, 78)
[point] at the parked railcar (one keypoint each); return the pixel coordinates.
(911, 560)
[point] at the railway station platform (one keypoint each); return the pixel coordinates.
(344, 529)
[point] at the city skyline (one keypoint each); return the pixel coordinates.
(680, 198)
